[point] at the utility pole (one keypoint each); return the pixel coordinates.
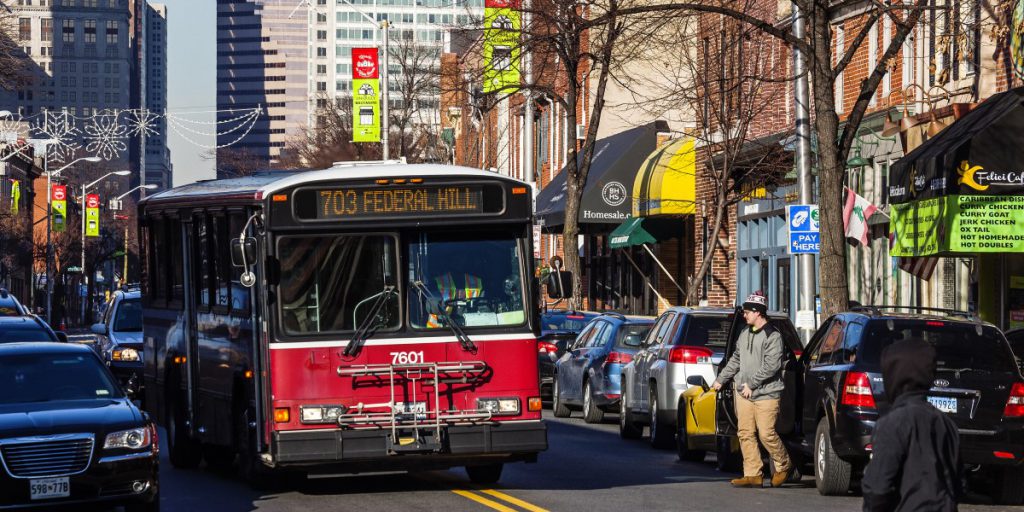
(384, 87)
(805, 262)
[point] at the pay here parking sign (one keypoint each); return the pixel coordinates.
(804, 237)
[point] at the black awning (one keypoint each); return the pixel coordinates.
(981, 153)
(606, 196)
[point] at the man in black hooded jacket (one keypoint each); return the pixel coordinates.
(914, 464)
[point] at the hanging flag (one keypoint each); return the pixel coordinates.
(920, 267)
(58, 200)
(502, 23)
(15, 196)
(856, 213)
(92, 215)
(365, 95)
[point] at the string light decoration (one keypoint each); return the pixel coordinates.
(107, 133)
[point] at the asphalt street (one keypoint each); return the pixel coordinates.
(587, 467)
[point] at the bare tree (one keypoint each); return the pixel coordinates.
(825, 66)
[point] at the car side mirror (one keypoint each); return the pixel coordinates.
(243, 252)
(100, 329)
(61, 336)
(698, 380)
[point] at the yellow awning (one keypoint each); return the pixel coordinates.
(666, 182)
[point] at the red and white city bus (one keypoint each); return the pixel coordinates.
(366, 317)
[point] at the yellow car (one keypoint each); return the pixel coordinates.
(697, 433)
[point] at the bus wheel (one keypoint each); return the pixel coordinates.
(185, 453)
(485, 474)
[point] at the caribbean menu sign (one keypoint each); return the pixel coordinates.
(958, 224)
(365, 95)
(502, 22)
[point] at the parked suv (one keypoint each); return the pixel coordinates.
(588, 374)
(840, 395)
(683, 342)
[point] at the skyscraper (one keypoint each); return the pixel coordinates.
(262, 48)
(294, 57)
(157, 156)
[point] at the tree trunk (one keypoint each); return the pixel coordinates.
(693, 293)
(573, 195)
(833, 286)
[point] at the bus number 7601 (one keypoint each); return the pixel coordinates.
(406, 357)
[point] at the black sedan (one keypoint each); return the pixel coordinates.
(27, 328)
(69, 434)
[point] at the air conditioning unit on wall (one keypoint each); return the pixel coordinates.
(581, 131)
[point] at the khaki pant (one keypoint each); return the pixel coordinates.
(757, 420)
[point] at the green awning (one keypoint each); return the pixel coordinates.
(631, 232)
(645, 230)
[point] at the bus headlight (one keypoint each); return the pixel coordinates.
(321, 413)
(126, 354)
(499, 406)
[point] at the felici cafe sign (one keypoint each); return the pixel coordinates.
(962, 191)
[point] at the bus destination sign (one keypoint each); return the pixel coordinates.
(356, 202)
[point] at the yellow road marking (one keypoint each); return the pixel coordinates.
(484, 501)
(513, 500)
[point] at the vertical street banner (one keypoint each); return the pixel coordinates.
(365, 95)
(15, 196)
(502, 23)
(59, 202)
(92, 215)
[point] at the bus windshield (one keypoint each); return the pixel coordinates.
(330, 283)
(475, 277)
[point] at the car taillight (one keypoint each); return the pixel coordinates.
(857, 390)
(1015, 404)
(618, 357)
(547, 348)
(689, 355)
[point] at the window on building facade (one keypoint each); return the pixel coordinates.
(46, 29)
(90, 3)
(68, 30)
(25, 29)
(112, 32)
(89, 31)
(321, 35)
(321, 51)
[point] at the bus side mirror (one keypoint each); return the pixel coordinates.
(559, 284)
(243, 252)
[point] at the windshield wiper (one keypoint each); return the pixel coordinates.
(467, 344)
(369, 325)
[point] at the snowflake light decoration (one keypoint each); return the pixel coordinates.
(106, 137)
(142, 123)
(61, 127)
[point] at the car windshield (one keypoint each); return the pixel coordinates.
(475, 277)
(129, 316)
(46, 377)
(27, 330)
(331, 283)
(957, 345)
(631, 335)
(707, 331)
(574, 322)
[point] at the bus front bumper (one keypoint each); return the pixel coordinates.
(374, 449)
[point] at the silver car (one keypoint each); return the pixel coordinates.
(119, 336)
(683, 342)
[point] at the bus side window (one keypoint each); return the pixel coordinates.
(158, 259)
(175, 263)
(221, 258)
(239, 294)
(201, 270)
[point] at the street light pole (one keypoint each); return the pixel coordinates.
(805, 262)
(385, 121)
(85, 188)
(124, 275)
(49, 224)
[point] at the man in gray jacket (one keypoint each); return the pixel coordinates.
(756, 371)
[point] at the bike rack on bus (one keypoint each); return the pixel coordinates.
(405, 425)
